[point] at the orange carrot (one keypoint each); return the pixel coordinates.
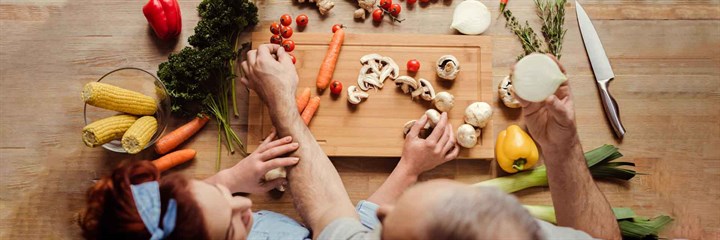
(310, 110)
(331, 56)
(303, 99)
(180, 135)
(173, 159)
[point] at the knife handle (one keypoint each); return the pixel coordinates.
(611, 108)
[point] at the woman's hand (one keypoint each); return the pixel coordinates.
(421, 155)
(248, 174)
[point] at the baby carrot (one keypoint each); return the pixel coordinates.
(173, 159)
(310, 110)
(303, 99)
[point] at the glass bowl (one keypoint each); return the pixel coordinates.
(141, 81)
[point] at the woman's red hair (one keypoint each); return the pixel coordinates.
(111, 212)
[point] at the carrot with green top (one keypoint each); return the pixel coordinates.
(173, 159)
(173, 139)
(310, 110)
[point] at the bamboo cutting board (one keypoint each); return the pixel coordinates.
(374, 127)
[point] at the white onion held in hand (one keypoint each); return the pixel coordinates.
(536, 77)
(471, 17)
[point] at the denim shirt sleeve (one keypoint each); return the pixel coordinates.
(271, 225)
(368, 214)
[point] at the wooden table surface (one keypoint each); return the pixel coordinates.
(665, 54)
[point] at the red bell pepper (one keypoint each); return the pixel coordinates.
(164, 18)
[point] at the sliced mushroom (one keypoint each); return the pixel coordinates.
(355, 95)
(372, 60)
(425, 90)
(367, 79)
(467, 136)
(504, 93)
(406, 83)
(408, 125)
(444, 101)
(390, 69)
(448, 67)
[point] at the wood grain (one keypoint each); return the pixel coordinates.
(373, 128)
(665, 53)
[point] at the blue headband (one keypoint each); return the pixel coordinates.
(147, 202)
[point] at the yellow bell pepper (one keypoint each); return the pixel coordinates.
(515, 150)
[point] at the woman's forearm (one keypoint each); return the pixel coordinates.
(399, 180)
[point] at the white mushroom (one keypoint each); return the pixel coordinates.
(368, 79)
(275, 174)
(372, 60)
(448, 67)
(504, 93)
(406, 83)
(359, 13)
(433, 117)
(478, 114)
(408, 125)
(390, 69)
(444, 101)
(355, 95)
(425, 90)
(467, 136)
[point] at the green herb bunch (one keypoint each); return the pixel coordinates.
(552, 15)
(201, 78)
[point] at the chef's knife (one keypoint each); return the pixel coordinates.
(601, 67)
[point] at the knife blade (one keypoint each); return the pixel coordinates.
(601, 68)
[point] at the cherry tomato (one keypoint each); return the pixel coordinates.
(394, 10)
(336, 87)
(411, 2)
(286, 32)
(276, 39)
(378, 15)
(292, 57)
(275, 28)
(286, 19)
(336, 27)
(302, 20)
(413, 65)
(288, 45)
(385, 4)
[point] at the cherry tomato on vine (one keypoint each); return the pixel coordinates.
(276, 39)
(385, 4)
(336, 87)
(302, 20)
(411, 2)
(413, 65)
(336, 27)
(378, 15)
(288, 45)
(275, 28)
(286, 32)
(394, 10)
(286, 19)
(292, 57)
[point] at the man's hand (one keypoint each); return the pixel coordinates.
(273, 79)
(421, 155)
(248, 174)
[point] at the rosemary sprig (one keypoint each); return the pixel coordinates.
(552, 15)
(525, 33)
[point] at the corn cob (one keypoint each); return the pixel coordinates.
(138, 135)
(107, 129)
(118, 99)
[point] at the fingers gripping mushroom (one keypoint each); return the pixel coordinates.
(504, 93)
(408, 125)
(467, 136)
(448, 67)
(425, 90)
(444, 101)
(478, 114)
(390, 69)
(355, 95)
(275, 174)
(434, 117)
(406, 83)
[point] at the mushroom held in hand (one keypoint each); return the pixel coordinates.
(275, 174)
(408, 125)
(433, 117)
(444, 101)
(504, 94)
(355, 95)
(478, 114)
(448, 67)
(467, 136)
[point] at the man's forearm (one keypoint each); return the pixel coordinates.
(578, 201)
(399, 180)
(318, 192)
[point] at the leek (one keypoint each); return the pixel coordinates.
(632, 226)
(599, 160)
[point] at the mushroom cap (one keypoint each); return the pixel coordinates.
(434, 117)
(355, 96)
(467, 136)
(368, 79)
(408, 125)
(444, 101)
(478, 114)
(390, 69)
(504, 93)
(406, 83)
(447, 67)
(425, 90)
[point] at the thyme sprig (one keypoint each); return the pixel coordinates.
(525, 33)
(552, 15)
